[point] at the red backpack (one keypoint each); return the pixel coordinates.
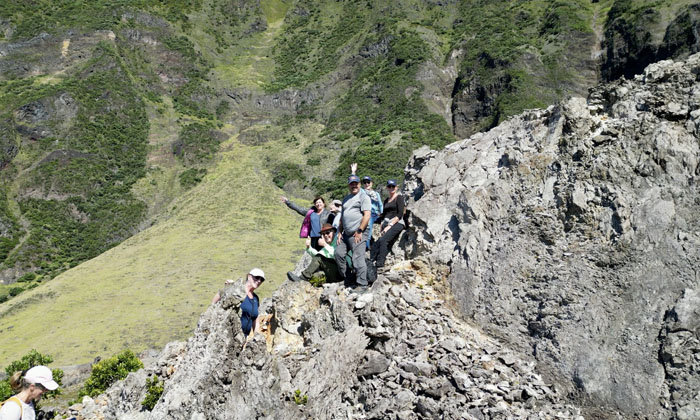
(306, 225)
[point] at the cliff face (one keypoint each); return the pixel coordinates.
(572, 234)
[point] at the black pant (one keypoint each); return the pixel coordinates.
(380, 249)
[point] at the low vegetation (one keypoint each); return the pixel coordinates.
(154, 389)
(108, 371)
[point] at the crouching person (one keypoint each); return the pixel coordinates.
(323, 260)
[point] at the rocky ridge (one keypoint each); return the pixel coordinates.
(395, 352)
(572, 234)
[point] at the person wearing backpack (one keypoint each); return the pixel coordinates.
(375, 199)
(30, 385)
(352, 233)
(314, 218)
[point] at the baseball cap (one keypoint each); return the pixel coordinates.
(366, 178)
(337, 203)
(391, 182)
(41, 375)
(353, 178)
(256, 272)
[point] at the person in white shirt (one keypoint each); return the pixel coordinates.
(30, 385)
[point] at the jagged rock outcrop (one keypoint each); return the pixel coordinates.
(394, 352)
(572, 234)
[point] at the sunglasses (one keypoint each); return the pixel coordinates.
(259, 279)
(366, 182)
(391, 186)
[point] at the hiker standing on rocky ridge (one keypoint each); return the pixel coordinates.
(31, 384)
(317, 215)
(251, 302)
(375, 198)
(354, 219)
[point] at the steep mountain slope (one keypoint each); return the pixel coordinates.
(151, 288)
(115, 117)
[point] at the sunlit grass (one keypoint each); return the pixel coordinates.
(151, 289)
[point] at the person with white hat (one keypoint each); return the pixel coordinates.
(30, 385)
(251, 302)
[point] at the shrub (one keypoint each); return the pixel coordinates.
(27, 277)
(191, 177)
(154, 391)
(106, 372)
(29, 360)
(14, 291)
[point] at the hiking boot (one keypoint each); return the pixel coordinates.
(293, 277)
(359, 289)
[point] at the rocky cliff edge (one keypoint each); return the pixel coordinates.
(573, 235)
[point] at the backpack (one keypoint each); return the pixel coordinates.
(306, 225)
(16, 401)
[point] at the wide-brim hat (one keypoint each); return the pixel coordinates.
(326, 227)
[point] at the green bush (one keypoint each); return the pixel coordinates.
(154, 391)
(191, 177)
(285, 172)
(106, 372)
(27, 277)
(14, 291)
(29, 360)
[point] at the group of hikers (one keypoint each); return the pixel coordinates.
(338, 238)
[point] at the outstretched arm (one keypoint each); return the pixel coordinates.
(292, 205)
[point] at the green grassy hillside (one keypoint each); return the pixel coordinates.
(152, 288)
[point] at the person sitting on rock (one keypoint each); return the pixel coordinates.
(392, 225)
(323, 259)
(30, 385)
(251, 302)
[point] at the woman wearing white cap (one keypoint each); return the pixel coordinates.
(31, 385)
(249, 306)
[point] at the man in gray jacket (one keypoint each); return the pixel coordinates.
(353, 221)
